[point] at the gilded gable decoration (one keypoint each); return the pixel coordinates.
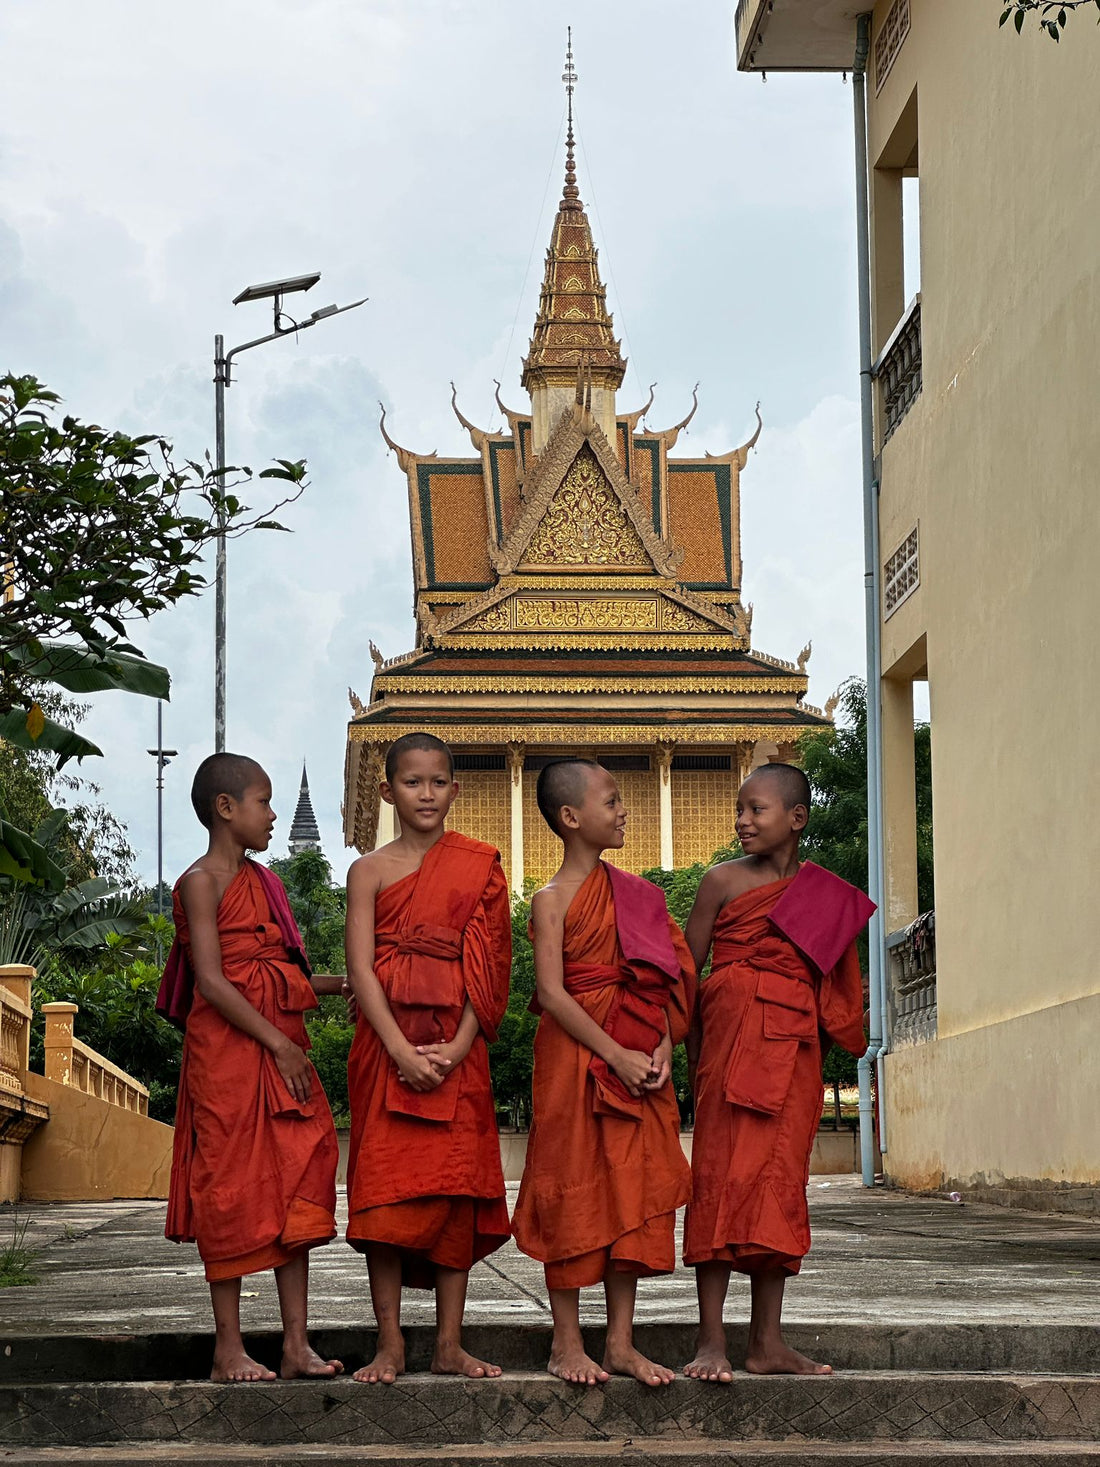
(585, 523)
(576, 431)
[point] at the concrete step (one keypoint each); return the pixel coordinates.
(1007, 1348)
(637, 1452)
(534, 1409)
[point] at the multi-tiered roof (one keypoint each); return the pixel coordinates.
(575, 585)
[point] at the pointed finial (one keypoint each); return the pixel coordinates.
(571, 194)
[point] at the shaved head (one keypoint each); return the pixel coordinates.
(562, 782)
(790, 782)
(222, 774)
(422, 741)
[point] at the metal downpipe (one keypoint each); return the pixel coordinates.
(875, 862)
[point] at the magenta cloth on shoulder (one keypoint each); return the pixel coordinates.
(821, 914)
(641, 919)
(279, 903)
(177, 984)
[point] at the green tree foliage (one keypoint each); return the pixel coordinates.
(1053, 15)
(681, 884)
(680, 887)
(511, 1057)
(116, 994)
(836, 765)
(330, 1035)
(93, 841)
(99, 529)
(319, 907)
(836, 837)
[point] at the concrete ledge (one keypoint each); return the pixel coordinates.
(1077, 1199)
(423, 1411)
(835, 1153)
(638, 1451)
(1019, 1349)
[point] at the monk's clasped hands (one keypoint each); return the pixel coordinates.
(416, 1070)
(661, 1063)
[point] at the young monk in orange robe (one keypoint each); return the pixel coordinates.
(605, 1171)
(429, 945)
(784, 972)
(255, 1153)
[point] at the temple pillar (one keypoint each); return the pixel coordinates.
(743, 760)
(387, 823)
(515, 754)
(664, 803)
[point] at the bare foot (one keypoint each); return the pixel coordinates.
(573, 1365)
(782, 1360)
(387, 1365)
(628, 1361)
(710, 1363)
(235, 1365)
(306, 1364)
(454, 1360)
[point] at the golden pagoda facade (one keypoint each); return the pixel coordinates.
(578, 591)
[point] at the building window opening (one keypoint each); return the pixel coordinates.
(464, 763)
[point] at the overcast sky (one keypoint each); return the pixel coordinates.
(156, 159)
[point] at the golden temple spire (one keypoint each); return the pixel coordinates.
(573, 327)
(571, 197)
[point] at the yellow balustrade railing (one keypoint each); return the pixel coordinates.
(15, 1025)
(71, 1062)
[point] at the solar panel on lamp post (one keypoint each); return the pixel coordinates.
(273, 290)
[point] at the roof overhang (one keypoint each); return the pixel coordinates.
(797, 35)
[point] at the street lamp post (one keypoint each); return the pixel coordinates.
(163, 757)
(273, 290)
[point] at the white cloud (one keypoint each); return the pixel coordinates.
(151, 170)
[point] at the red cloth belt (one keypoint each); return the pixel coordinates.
(635, 1020)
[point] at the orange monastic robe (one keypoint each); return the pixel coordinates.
(758, 1092)
(253, 1170)
(424, 1171)
(603, 1178)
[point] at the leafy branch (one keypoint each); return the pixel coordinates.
(100, 528)
(1052, 14)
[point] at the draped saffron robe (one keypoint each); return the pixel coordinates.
(424, 1171)
(605, 1171)
(758, 1090)
(253, 1169)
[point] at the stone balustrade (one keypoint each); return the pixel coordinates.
(912, 987)
(15, 1025)
(899, 370)
(70, 1062)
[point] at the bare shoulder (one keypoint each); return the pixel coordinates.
(365, 874)
(201, 889)
(549, 905)
(729, 879)
(198, 877)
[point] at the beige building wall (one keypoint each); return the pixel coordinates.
(995, 465)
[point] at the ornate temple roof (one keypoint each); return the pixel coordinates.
(304, 832)
(573, 327)
(576, 586)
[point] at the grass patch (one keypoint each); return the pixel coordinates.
(17, 1257)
